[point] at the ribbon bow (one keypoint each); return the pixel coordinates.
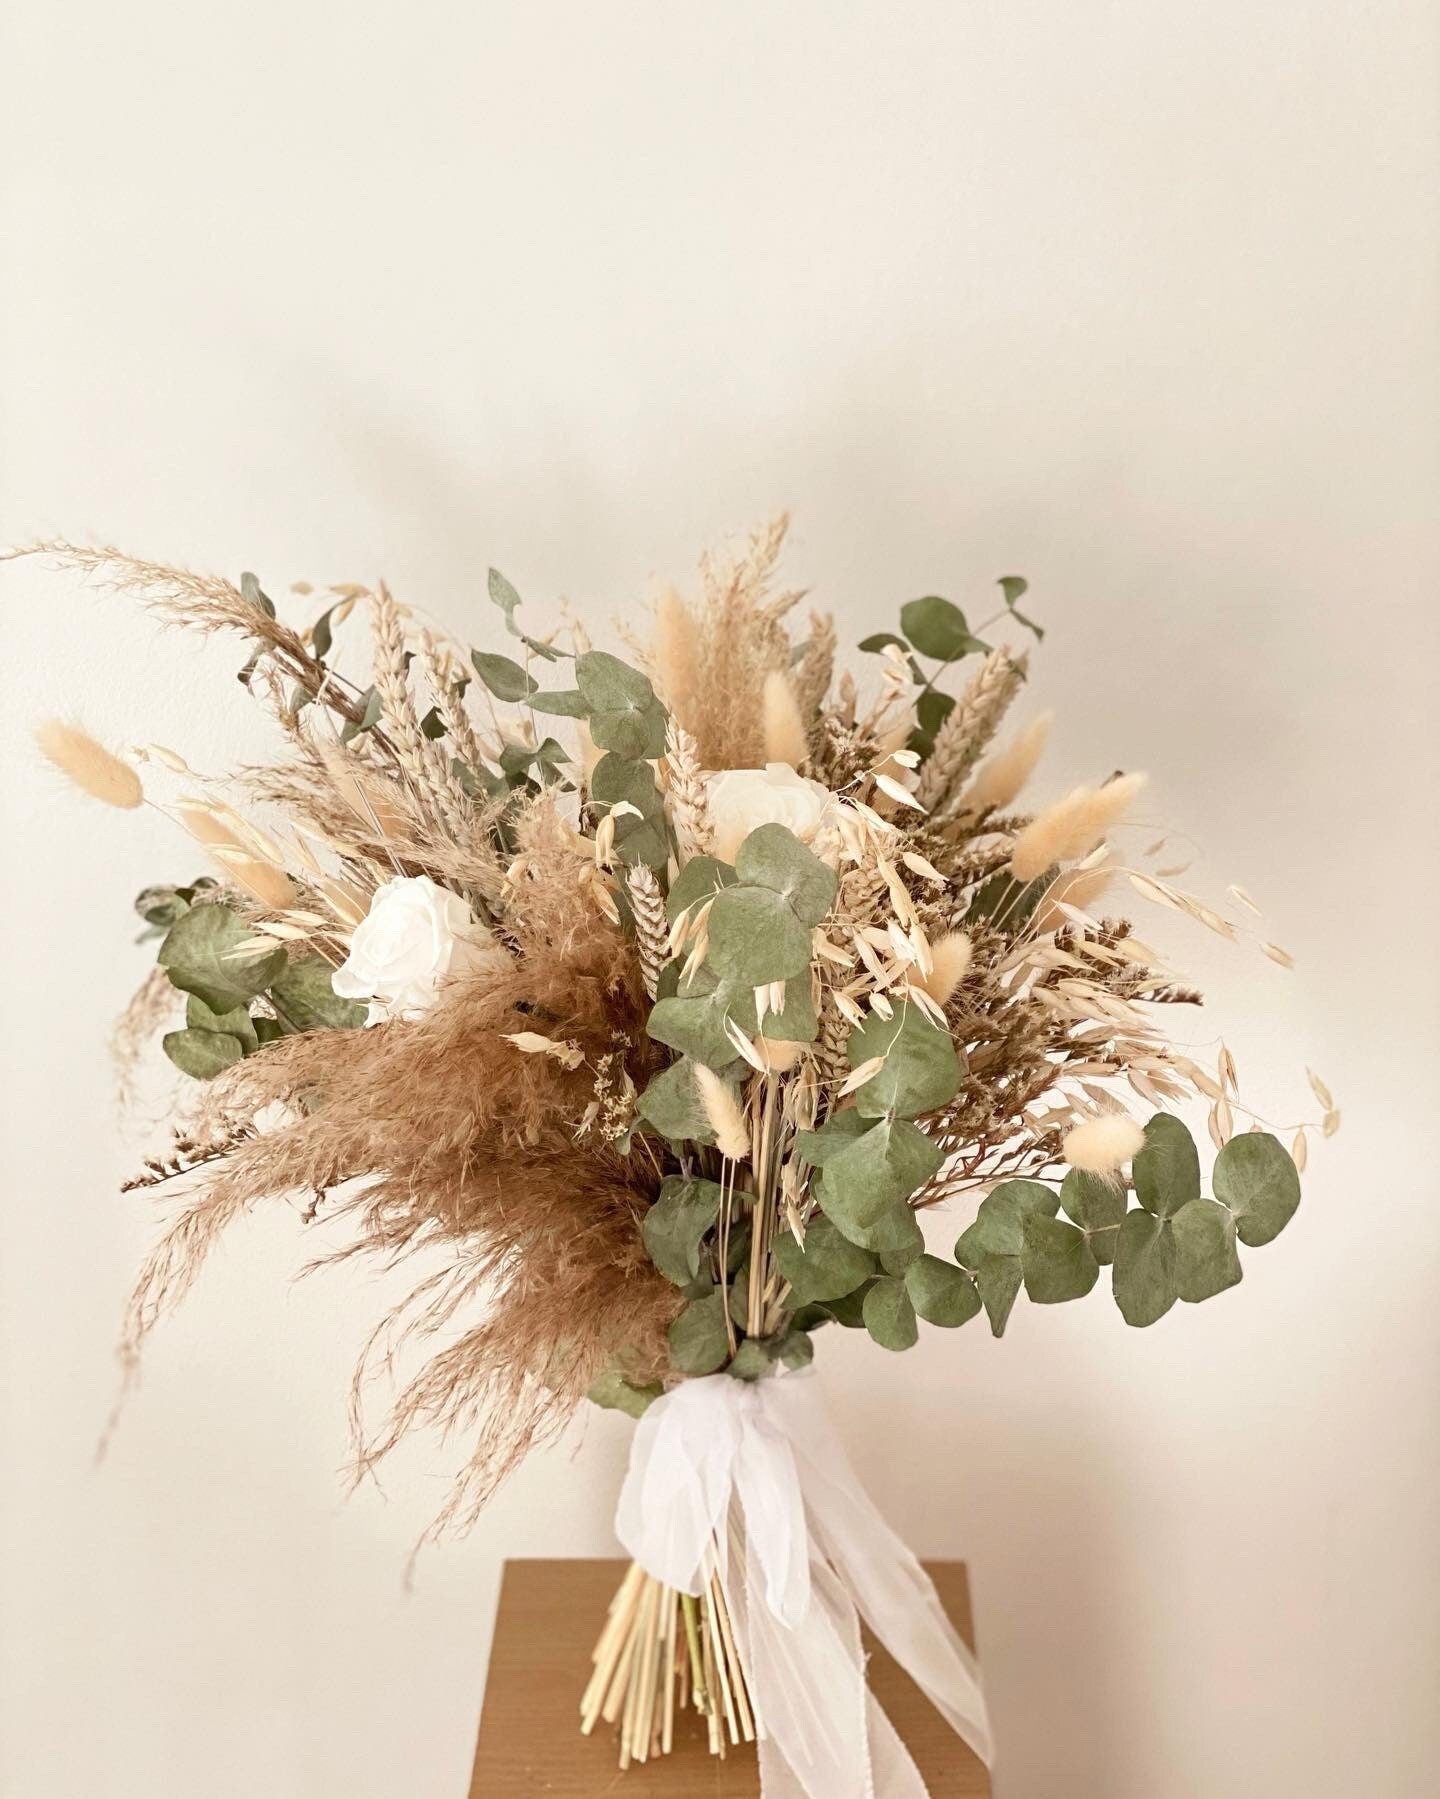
(816, 1553)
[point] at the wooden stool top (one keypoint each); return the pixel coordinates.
(549, 1616)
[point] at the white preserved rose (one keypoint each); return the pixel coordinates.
(415, 935)
(742, 799)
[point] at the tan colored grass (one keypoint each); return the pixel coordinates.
(785, 739)
(966, 733)
(86, 762)
(1073, 826)
(999, 780)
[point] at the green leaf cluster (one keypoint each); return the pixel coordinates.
(1172, 1244)
(762, 911)
(198, 954)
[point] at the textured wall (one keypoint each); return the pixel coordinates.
(1139, 299)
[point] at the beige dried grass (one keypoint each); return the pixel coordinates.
(1073, 826)
(85, 761)
(1000, 779)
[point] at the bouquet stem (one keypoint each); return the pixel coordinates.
(660, 1651)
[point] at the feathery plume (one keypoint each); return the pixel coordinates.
(1000, 779)
(723, 1111)
(950, 958)
(784, 728)
(1102, 1145)
(673, 654)
(86, 762)
(1072, 827)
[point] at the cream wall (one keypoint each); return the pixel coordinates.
(1139, 299)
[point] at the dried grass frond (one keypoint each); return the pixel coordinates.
(785, 739)
(674, 666)
(652, 928)
(816, 667)
(999, 781)
(88, 764)
(950, 958)
(689, 802)
(488, 1168)
(739, 638)
(966, 734)
(727, 1120)
(1072, 827)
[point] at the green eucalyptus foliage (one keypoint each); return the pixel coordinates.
(827, 1266)
(889, 1315)
(872, 1176)
(198, 954)
(921, 1068)
(615, 1393)
(940, 1292)
(675, 1226)
(699, 1343)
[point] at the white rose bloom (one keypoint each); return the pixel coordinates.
(742, 799)
(415, 936)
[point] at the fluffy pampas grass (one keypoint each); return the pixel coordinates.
(92, 767)
(950, 958)
(723, 1110)
(1102, 1145)
(1001, 778)
(784, 727)
(1072, 827)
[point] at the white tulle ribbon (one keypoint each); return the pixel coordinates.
(816, 1553)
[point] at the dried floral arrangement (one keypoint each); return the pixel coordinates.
(653, 1036)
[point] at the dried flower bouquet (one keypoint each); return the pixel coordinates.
(656, 1036)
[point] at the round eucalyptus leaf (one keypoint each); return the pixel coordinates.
(940, 1292)
(699, 1343)
(302, 992)
(1166, 1168)
(889, 1316)
(756, 938)
(630, 732)
(610, 685)
(617, 1394)
(505, 679)
(828, 1266)
(775, 858)
(700, 879)
(674, 1228)
(935, 627)
(1097, 1206)
(1206, 1262)
(1256, 1178)
(921, 1069)
(202, 1054)
(871, 1176)
(198, 955)
(1056, 1261)
(1144, 1275)
(753, 1360)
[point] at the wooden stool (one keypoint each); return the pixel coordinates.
(549, 1616)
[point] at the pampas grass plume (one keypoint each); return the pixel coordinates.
(89, 764)
(674, 652)
(1072, 827)
(723, 1110)
(785, 739)
(950, 957)
(1102, 1145)
(1002, 777)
